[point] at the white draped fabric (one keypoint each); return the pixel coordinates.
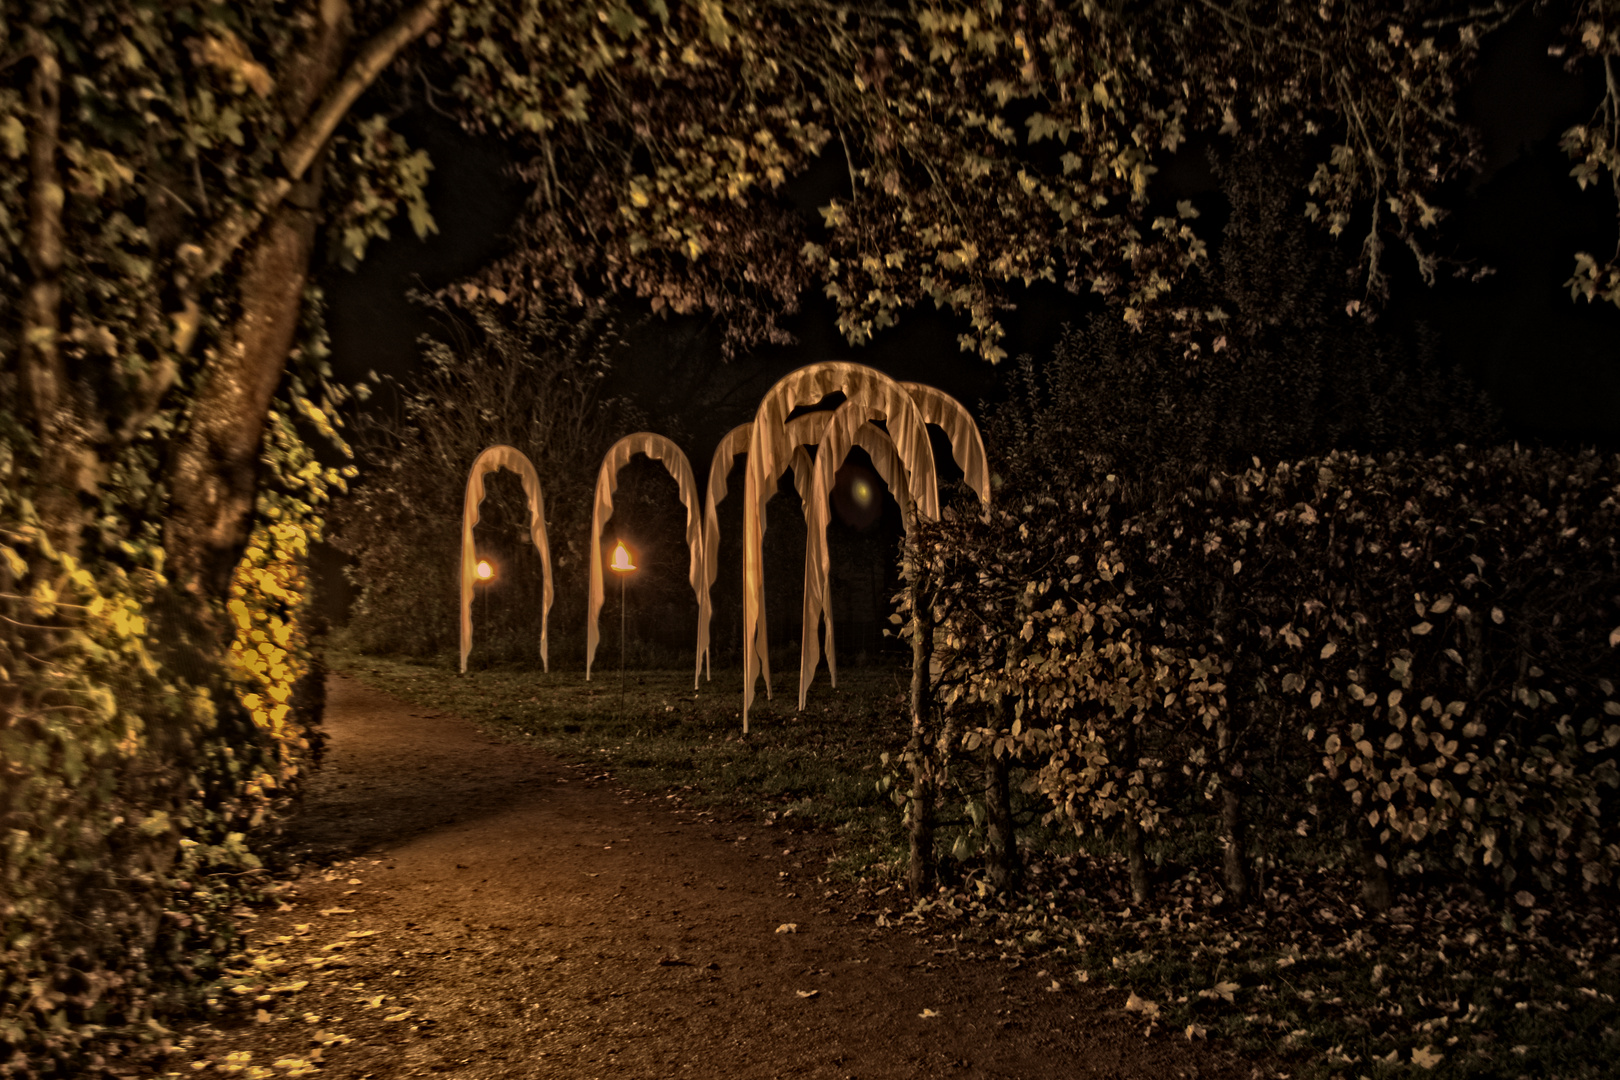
(943, 411)
(501, 457)
(770, 449)
(733, 443)
(851, 428)
(619, 454)
(802, 431)
(835, 445)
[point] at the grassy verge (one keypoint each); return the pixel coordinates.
(1446, 985)
(817, 769)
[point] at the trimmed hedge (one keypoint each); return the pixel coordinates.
(1414, 656)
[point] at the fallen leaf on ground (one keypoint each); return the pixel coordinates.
(928, 1014)
(788, 928)
(807, 993)
(338, 911)
(1425, 1057)
(1141, 1005)
(1195, 1031)
(397, 1016)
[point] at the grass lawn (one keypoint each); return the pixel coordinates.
(1448, 984)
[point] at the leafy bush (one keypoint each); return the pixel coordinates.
(1410, 656)
(143, 767)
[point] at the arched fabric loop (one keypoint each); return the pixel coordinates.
(501, 457)
(619, 454)
(801, 431)
(769, 450)
(835, 445)
(967, 447)
(733, 443)
(938, 408)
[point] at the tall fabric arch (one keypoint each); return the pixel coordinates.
(660, 449)
(769, 450)
(501, 457)
(850, 427)
(802, 431)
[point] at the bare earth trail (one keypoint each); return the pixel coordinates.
(537, 921)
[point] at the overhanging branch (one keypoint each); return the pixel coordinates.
(300, 153)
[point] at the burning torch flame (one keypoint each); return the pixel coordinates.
(621, 559)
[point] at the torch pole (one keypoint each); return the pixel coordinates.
(622, 585)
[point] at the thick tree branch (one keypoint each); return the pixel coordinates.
(312, 136)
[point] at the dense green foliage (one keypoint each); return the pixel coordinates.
(169, 169)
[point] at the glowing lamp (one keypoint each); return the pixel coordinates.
(484, 571)
(861, 492)
(621, 559)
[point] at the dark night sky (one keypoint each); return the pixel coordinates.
(1550, 363)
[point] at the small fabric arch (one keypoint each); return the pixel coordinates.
(660, 449)
(501, 457)
(967, 446)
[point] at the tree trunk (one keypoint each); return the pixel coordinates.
(214, 471)
(1135, 842)
(1377, 890)
(922, 872)
(1235, 869)
(1006, 870)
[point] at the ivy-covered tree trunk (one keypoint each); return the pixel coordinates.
(1234, 846)
(214, 472)
(1234, 854)
(48, 395)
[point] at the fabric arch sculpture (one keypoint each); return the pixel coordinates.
(501, 457)
(849, 428)
(801, 431)
(770, 449)
(660, 449)
(967, 447)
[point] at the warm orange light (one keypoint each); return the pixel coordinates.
(484, 570)
(621, 559)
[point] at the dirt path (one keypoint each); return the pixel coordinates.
(530, 919)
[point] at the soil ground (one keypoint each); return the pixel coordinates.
(472, 908)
